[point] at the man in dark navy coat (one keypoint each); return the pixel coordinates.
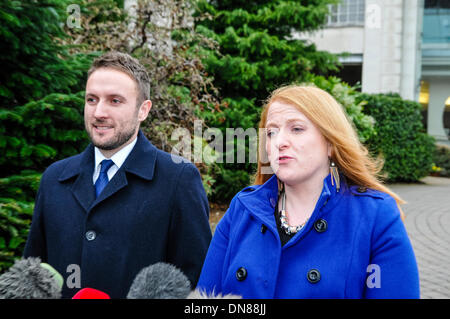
(121, 205)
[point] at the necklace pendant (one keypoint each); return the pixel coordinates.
(283, 219)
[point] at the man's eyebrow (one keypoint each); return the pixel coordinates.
(109, 95)
(117, 95)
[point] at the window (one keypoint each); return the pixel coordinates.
(436, 4)
(436, 22)
(347, 12)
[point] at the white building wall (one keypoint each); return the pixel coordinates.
(389, 42)
(382, 65)
(337, 40)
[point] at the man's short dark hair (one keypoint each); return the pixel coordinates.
(131, 66)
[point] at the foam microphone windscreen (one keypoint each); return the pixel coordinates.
(28, 278)
(160, 281)
(90, 293)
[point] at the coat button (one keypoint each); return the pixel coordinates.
(321, 225)
(263, 228)
(90, 235)
(361, 189)
(313, 276)
(241, 274)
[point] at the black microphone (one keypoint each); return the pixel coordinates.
(160, 281)
(30, 279)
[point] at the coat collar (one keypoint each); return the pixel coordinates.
(260, 200)
(140, 162)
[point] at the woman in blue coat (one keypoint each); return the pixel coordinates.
(318, 223)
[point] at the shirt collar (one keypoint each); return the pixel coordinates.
(118, 158)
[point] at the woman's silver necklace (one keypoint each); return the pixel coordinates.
(283, 219)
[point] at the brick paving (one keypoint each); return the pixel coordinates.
(428, 225)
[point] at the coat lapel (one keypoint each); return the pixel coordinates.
(140, 162)
(82, 166)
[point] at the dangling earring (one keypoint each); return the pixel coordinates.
(334, 175)
(280, 187)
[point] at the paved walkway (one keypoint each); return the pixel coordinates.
(428, 224)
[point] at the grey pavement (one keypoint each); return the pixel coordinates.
(428, 225)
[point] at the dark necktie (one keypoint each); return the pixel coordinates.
(102, 179)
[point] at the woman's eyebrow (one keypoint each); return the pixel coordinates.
(289, 121)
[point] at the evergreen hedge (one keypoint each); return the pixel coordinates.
(33, 136)
(401, 138)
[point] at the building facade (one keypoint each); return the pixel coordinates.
(400, 46)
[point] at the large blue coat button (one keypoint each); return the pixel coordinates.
(313, 276)
(320, 225)
(241, 274)
(361, 189)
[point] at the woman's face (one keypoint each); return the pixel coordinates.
(296, 149)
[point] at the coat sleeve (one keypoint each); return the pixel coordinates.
(189, 234)
(36, 244)
(392, 272)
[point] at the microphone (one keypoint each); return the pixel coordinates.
(28, 278)
(90, 293)
(160, 281)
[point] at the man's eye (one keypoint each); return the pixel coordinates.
(116, 101)
(90, 100)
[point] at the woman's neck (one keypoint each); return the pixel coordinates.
(301, 199)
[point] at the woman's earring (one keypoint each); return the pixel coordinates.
(334, 175)
(280, 187)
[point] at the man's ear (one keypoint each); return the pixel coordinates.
(144, 109)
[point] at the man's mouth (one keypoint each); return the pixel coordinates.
(102, 128)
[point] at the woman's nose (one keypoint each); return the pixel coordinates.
(281, 140)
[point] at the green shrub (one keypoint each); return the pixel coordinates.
(21, 187)
(34, 62)
(441, 160)
(40, 132)
(401, 138)
(347, 96)
(16, 209)
(15, 220)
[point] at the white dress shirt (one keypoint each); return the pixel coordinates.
(118, 159)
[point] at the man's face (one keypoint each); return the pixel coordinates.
(111, 116)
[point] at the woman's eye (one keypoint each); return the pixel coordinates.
(297, 129)
(270, 133)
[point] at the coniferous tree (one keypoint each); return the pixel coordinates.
(257, 54)
(33, 63)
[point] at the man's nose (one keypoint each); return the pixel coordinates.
(100, 110)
